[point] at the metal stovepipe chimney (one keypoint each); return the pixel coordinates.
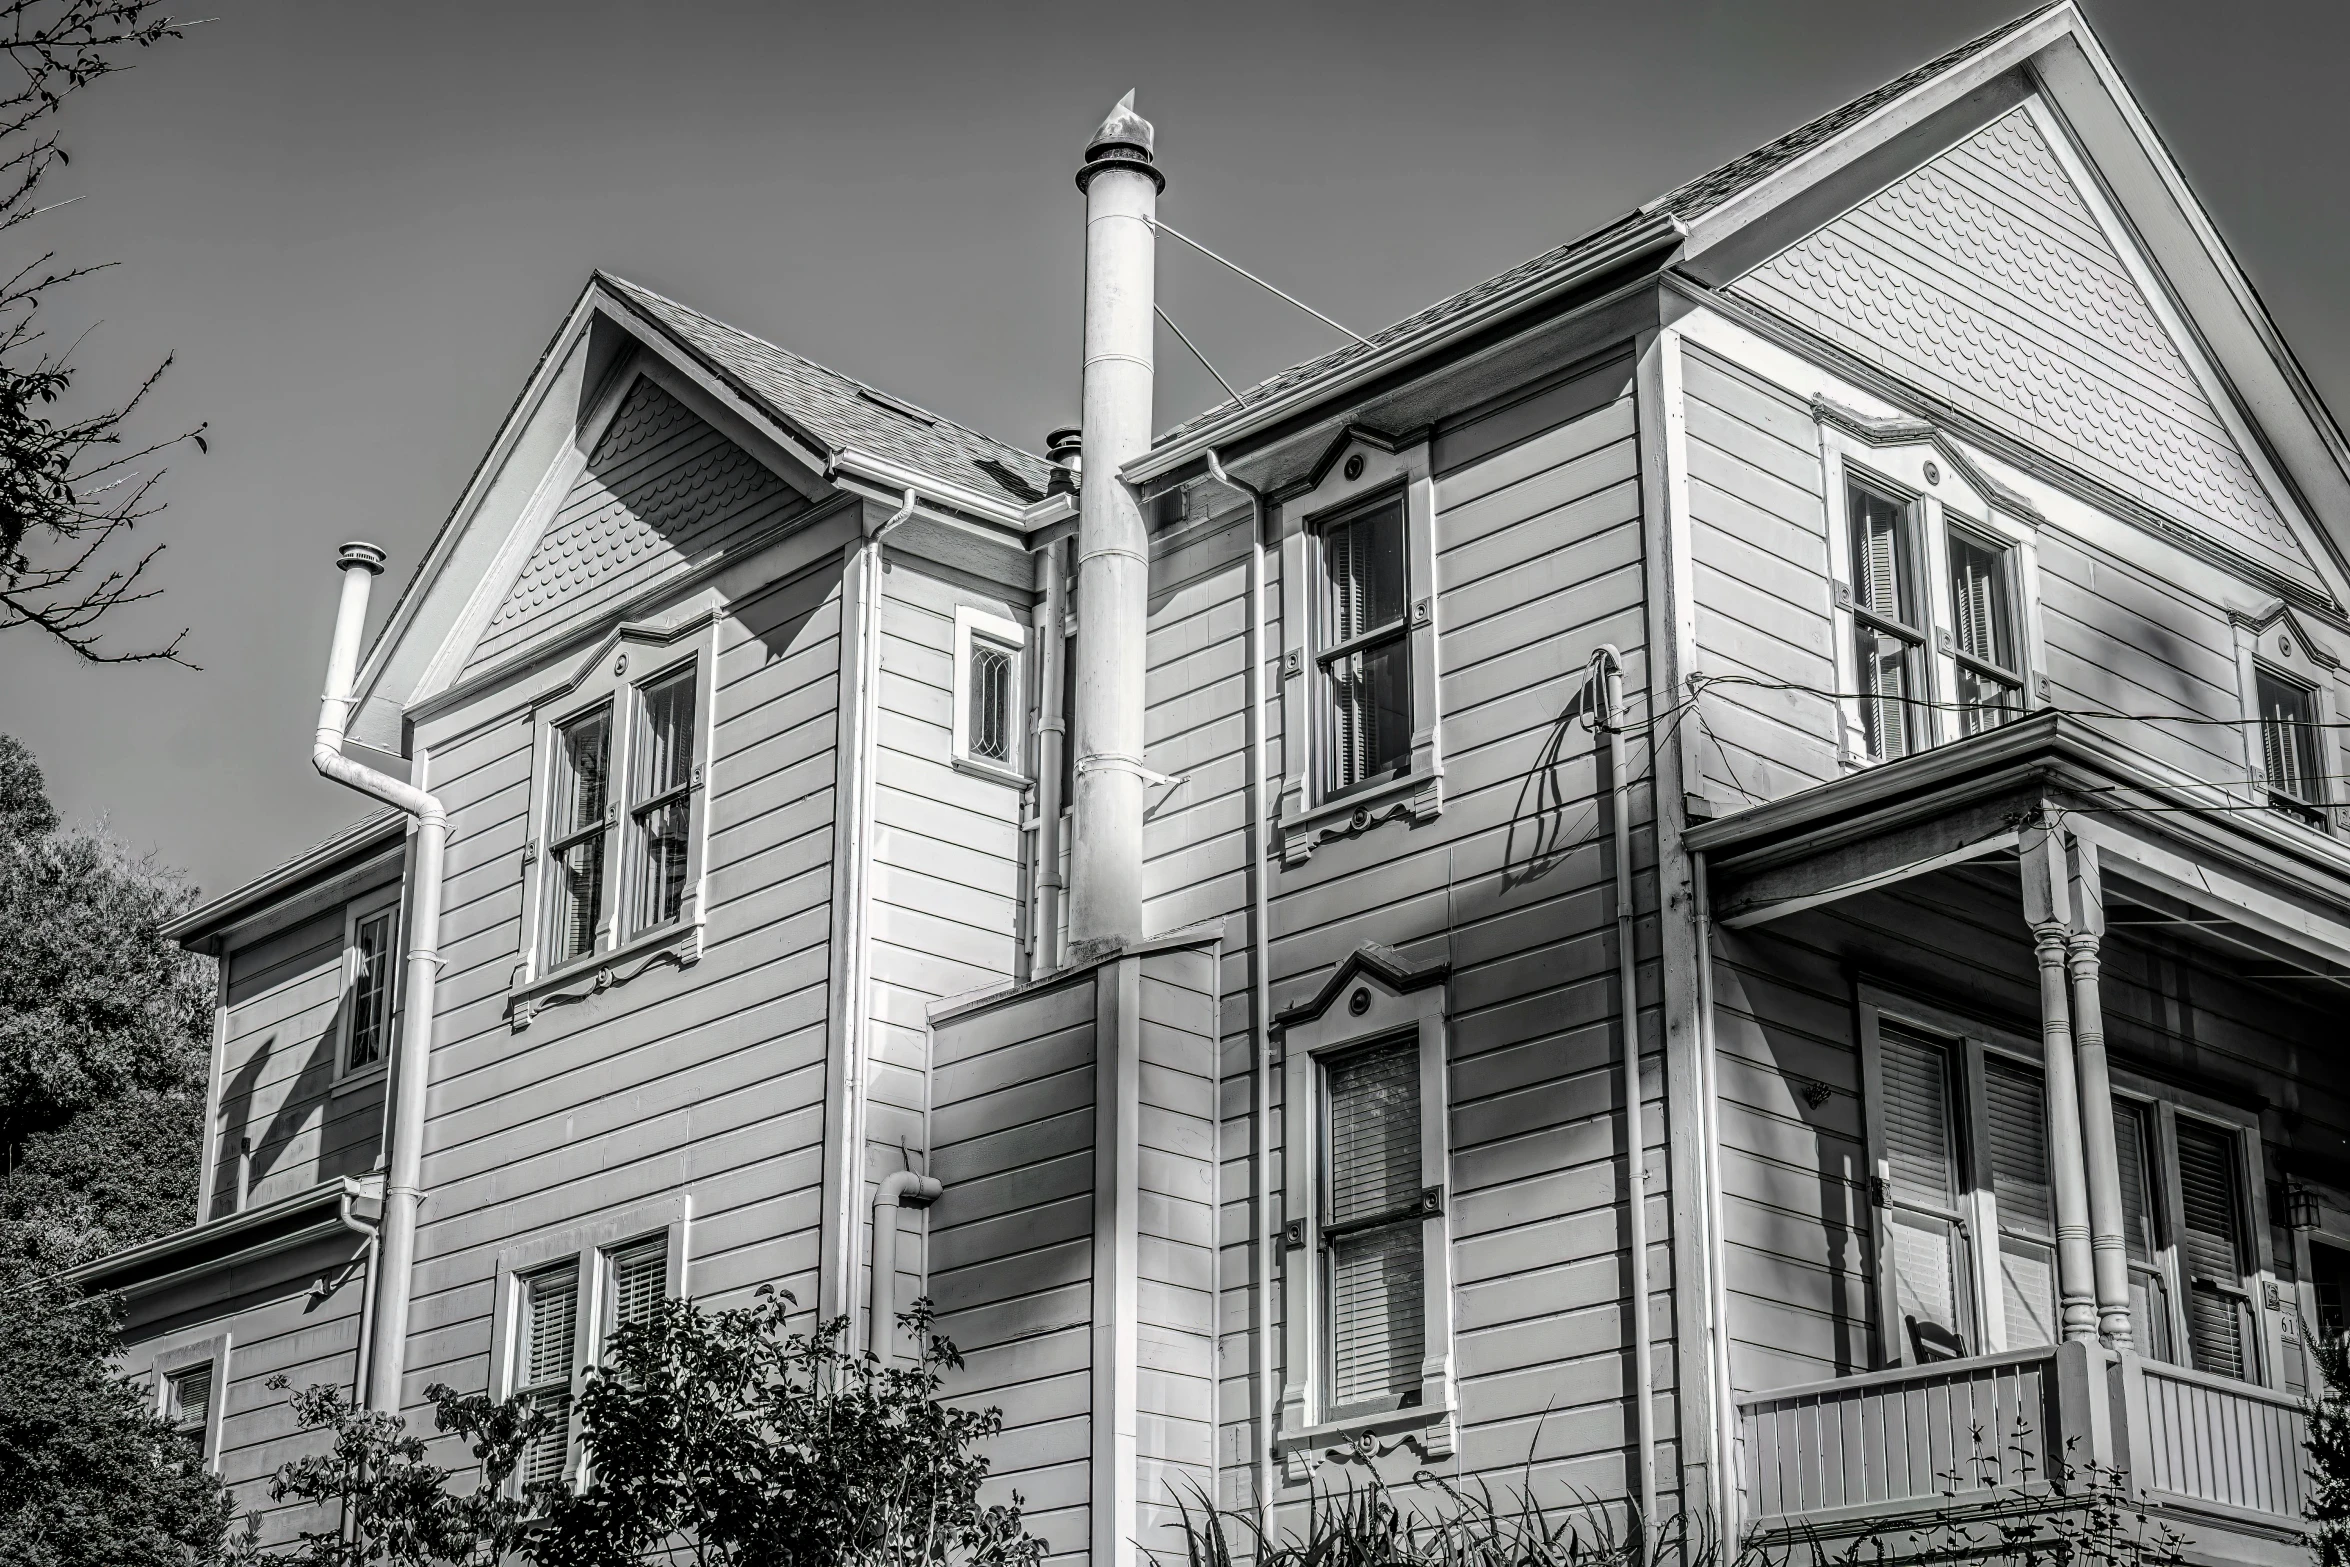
(1121, 185)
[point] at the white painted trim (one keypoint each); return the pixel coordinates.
(1308, 814)
(178, 1354)
(1306, 1420)
(616, 674)
(970, 622)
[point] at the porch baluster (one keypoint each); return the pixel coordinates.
(2111, 1262)
(2047, 900)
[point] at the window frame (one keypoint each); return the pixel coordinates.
(617, 676)
(1307, 1419)
(1943, 497)
(2275, 643)
(974, 624)
(588, 1247)
(1341, 488)
(357, 912)
(175, 1359)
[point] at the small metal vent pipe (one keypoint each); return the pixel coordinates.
(395, 1244)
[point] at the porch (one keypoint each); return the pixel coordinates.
(2035, 1147)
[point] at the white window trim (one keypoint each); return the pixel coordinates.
(632, 658)
(2279, 641)
(349, 1078)
(1977, 1041)
(970, 622)
(1307, 817)
(184, 1354)
(1304, 1423)
(1937, 501)
(590, 1246)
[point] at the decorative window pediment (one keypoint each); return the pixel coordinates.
(613, 874)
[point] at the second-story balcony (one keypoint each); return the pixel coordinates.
(2034, 1147)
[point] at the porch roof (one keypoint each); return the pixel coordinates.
(2178, 844)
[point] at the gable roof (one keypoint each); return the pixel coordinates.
(841, 413)
(1712, 229)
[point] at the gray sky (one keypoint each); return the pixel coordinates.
(358, 224)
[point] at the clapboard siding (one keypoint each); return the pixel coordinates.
(277, 1065)
(1758, 545)
(707, 1081)
(1539, 562)
(1011, 1240)
(276, 1328)
(662, 491)
(943, 905)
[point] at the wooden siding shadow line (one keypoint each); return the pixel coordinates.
(305, 1095)
(1538, 842)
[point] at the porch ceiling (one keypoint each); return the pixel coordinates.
(2227, 869)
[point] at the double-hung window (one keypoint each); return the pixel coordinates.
(1374, 1274)
(1363, 657)
(1987, 667)
(2291, 749)
(371, 970)
(1888, 638)
(187, 1405)
(1965, 1211)
(617, 863)
(1366, 1292)
(544, 1348)
(1932, 594)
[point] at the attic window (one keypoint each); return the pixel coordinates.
(2289, 747)
(903, 409)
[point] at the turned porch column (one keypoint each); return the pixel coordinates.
(2047, 910)
(2111, 1261)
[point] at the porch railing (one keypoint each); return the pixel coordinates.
(2213, 1443)
(1891, 1440)
(2183, 1443)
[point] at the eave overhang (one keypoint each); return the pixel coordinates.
(1640, 243)
(205, 927)
(346, 1205)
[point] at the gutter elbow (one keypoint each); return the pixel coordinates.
(905, 1189)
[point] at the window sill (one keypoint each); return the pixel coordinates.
(368, 1076)
(1431, 1424)
(1010, 778)
(678, 943)
(1417, 795)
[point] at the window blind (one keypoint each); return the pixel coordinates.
(1373, 1226)
(191, 1401)
(2211, 1249)
(2289, 742)
(2015, 1143)
(1886, 661)
(550, 1324)
(640, 1278)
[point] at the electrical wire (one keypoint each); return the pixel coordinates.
(1195, 353)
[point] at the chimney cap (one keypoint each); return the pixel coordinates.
(1063, 442)
(1125, 140)
(361, 554)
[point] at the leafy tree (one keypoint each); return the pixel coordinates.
(70, 484)
(718, 1437)
(92, 1478)
(104, 1039)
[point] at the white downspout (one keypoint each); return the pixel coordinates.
(904, 1189)
(1261, 989)
(395, 1243)
(1718, 1246)
(1052, 739)
(1635, 1130)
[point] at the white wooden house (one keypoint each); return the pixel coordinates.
(1831, 684)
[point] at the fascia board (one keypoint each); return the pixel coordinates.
(1717, 225)
(353, 849)
(1648, 233)
(893, 479)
